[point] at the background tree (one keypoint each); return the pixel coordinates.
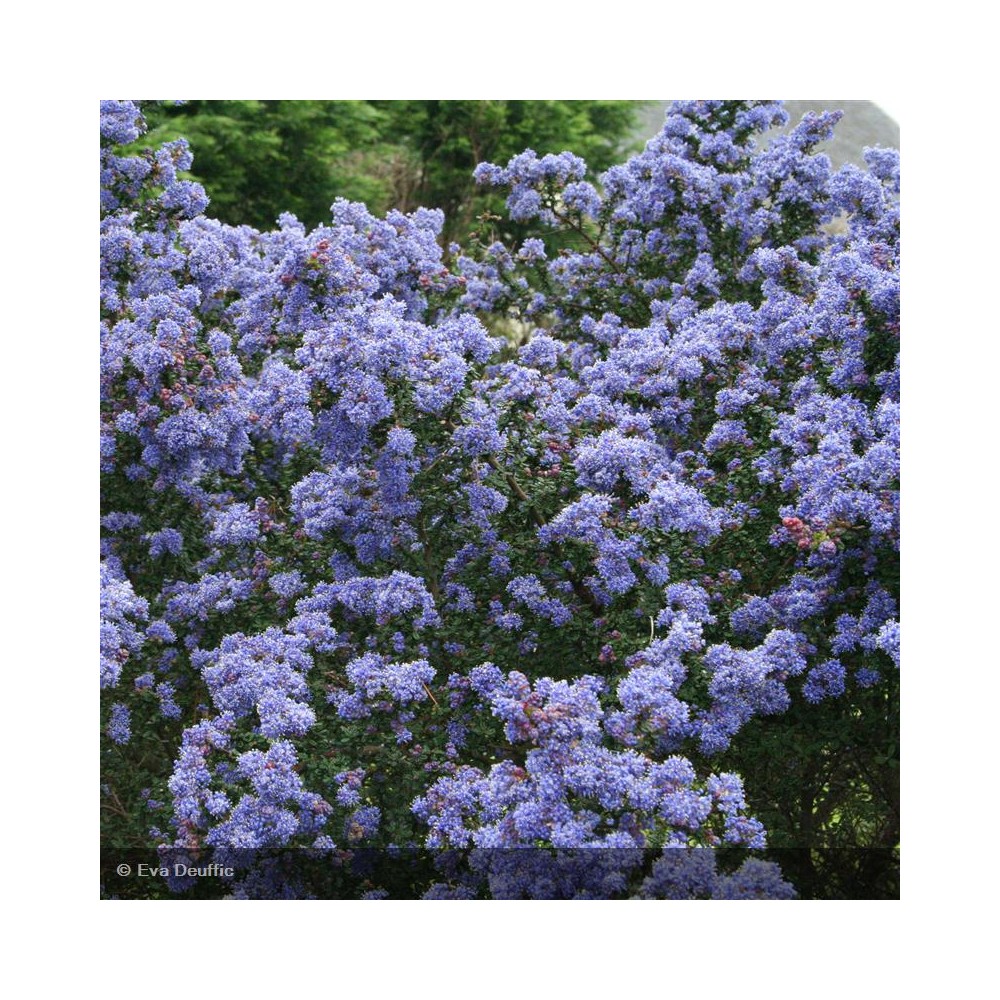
(257, 159)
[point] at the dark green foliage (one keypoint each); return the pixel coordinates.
(258, 159)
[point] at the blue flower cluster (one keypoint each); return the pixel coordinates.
(669, 511)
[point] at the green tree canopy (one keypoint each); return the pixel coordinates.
(258, 159)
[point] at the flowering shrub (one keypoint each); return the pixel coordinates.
(376, 577)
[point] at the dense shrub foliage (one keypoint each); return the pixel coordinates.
(374, 576)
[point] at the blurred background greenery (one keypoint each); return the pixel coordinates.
(258, 159)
